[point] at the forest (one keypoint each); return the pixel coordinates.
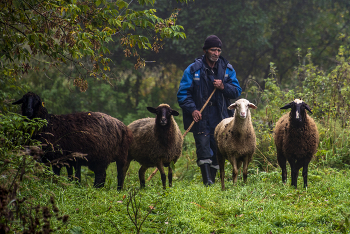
(120, 57)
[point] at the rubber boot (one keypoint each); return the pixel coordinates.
(213, 174)
(205, 169)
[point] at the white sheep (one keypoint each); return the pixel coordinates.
(235, 139)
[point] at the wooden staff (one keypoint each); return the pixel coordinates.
(188, 129)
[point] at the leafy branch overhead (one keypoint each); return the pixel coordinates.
(66, 31)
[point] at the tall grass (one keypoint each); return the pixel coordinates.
(263, 205)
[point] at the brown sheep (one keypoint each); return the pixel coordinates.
(296, 139)
(157, 142)
(103, 138)
(236, 141)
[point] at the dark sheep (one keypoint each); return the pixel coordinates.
(103, 138)
(296, 139)
(157, 142)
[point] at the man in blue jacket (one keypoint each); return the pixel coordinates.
(198, 82)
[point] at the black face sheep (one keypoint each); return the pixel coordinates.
(296, 138)
(157, 142)
(235, 139)
(103, 138)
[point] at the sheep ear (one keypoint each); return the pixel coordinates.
(308, 108)
(20, 101)
(152, 109)
(251, 105)
(289, 105)
(174, 113)
(232, 106)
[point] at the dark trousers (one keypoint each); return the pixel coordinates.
(206, 149)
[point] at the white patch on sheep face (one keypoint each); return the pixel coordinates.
(298, 101)
(297, 115)
(243, 110)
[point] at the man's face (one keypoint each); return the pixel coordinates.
(213, 53)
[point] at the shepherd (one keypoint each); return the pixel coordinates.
(208, 73)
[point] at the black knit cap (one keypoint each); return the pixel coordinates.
(212, 41)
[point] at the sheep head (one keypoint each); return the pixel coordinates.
(32, 107)
(297, 112)
(163, 113)
(242, 107)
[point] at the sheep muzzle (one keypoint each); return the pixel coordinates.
(163, 122)
(29, 112)
(243, 115)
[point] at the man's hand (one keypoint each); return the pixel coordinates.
(218, 84)
(196, 115)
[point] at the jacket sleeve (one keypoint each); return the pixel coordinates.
(232, 88)
(185, 92)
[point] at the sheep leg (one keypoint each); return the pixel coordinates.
(233, 162)
(78, 171)
(245, 168)
(282, 162)
(162, 173)
(121, 174)
(305, 171)
(70, 172)
(142, 172)
(56, 170)
(221, 161)
(126, 167)
(294, 172)
(239, 164)
(170, 176)
(100, 177)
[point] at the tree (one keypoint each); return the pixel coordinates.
(76, 32)
(257, 32)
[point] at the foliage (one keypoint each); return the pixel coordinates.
(327, 95)
(125, 98)
(133, 209)
(255, 33)
(16, 132)
(10, 88)
(62, 31)
(20, 213)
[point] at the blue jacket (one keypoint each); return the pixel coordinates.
(193, 92)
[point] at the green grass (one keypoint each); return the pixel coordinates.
(263, 205)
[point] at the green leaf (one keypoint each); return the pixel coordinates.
(131, 26)
(122, 4)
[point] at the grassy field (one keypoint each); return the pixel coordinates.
(263, 205)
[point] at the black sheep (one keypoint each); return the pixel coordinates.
(296, 138)
(103, 138)
(157, 142)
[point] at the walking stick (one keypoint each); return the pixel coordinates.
(188, 129)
